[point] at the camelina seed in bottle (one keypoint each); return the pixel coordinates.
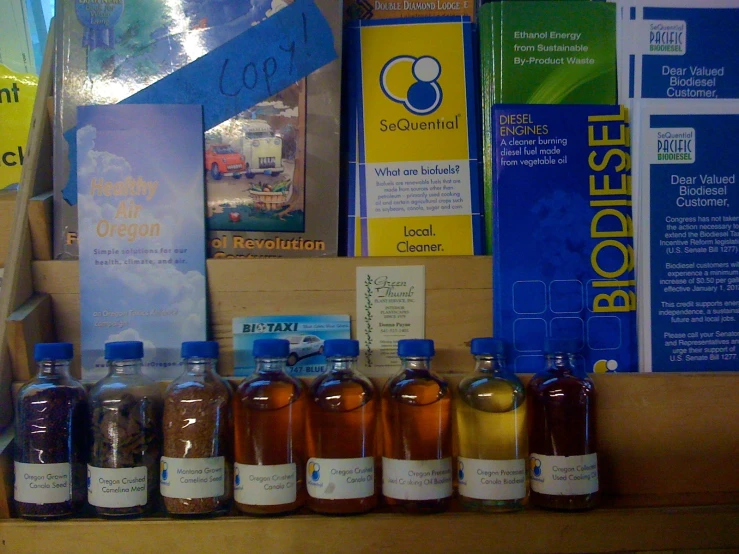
(195, 469)
(417, 432)
(563, 459)
(125, 409)
(50, 427)
(269, 434)
(340, 475)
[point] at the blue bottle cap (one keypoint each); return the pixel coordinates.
(341, 347)
(199, 349)
(271, 348)
(53, 351)
(416, 348)
(560, 346)
(124, 350)
(487, 345)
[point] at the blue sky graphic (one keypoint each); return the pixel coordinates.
(159, 143)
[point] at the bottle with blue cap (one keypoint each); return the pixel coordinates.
(269, 434)
(50, 428)
(491, 428)
(563, 461)
(196, 443)
(125, 409)
(340, 434)
(417, 433)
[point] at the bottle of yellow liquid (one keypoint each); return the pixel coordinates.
(491, 422)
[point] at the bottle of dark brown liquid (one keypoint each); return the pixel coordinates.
(417, 433)
(269, 419)
(340, 476)
(563, 460)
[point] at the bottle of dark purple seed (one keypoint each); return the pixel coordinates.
(50, 430)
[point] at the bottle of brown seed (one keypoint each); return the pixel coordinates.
(125, 409)
(195, 470)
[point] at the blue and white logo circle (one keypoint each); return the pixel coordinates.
(424, 95)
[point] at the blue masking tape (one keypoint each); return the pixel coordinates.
(251, 67)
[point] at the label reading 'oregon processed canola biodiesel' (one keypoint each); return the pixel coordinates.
(417, 479)
(117, 488)
(192, 477)
(341, 478)
(492, 479)
(564, 475)
(43, 483)
(418, 180)
(266, 485)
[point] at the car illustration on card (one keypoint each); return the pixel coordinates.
(302, 346)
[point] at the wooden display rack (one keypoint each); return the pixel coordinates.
(668, 444)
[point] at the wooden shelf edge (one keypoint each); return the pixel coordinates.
(534, 531)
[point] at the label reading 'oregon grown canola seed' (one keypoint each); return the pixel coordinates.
(43, 483)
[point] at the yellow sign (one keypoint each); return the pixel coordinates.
(415, 93)
(17, 95)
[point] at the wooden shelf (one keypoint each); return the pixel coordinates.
(536, 531)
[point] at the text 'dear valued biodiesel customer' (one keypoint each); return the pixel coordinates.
(269, 419)
(417, 433)
(491, 425)
(195, 469)
(340, 441)
(563, 460)
(50, 427)
(125, 407)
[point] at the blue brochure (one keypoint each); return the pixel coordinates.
(682, 51)
(688, 243)
(563, 234)
(142, 232)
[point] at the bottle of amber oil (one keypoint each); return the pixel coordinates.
(417, 433)
(269, 435)
(340, 473)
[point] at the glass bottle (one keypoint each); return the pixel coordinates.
(491, 426)
(125, 407)
(563, 460)
(269, 419)
(195, 469)
(50, 427)
(340, 474)
(417, 433)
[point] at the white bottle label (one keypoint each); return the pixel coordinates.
(267, 485)
(43, 483)
(192, 477)
(417, 479)
(340, 478)
(117, 488)
(492, 479)
(564, 475)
